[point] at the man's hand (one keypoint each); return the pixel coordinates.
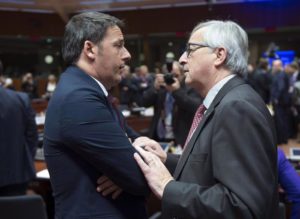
(107, 187)
(174, 86)
(151, 146)
(154, 171)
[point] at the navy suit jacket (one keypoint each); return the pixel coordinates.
(84, 141)
(18, 138)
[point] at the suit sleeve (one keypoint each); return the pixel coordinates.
(31, 133)
(131, 133)
(171, 162)
(88, 128)
(150, 97)
(243, 158)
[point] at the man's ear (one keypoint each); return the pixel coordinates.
(89, 49)
(221, 55)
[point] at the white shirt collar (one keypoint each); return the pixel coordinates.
(101, 86)
(212, 93)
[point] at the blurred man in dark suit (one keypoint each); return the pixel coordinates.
(281, 101)
(85, 138)
(174, 104)
(18, 141)
(263, 80)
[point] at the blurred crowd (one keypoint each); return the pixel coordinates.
(277, 84)
(279, 87)
(30, 85)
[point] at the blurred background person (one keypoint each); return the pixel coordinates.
(292, 70)
(174, 103)
(19, 139)
(263, 80)
(29, 86)
(9, 83)
(51, 85)
(280, 100)
(289, 180)
(126, 89)
(141, 81)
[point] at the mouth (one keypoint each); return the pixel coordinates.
(122, 66)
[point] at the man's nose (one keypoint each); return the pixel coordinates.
(126, 55)
(183, 59)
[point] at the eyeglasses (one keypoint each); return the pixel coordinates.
(195, 46)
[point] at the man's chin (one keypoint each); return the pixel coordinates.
(187, 80)
(117, 80)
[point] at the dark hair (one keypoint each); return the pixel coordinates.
(263, 64)
(90, 26)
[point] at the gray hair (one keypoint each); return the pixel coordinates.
(232, 37)
(90, 26)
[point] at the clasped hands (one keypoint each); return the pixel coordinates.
(151, 158)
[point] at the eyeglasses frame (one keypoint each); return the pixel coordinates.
(188, 49)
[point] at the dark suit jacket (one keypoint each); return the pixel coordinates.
(139, 86)
(262, 84)
(280, 89)
(18, 138)
(185, 106)
(82, 142)
(228, 169)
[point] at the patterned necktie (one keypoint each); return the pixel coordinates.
(197, 118)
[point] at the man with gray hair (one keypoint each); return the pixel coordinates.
(84, 136)
(228, 167)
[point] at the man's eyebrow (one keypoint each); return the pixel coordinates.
(119, 41)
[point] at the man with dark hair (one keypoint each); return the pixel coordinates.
(84, 136)
(18, 141)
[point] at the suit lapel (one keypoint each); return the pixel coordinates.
(209, 113)
(189, 147)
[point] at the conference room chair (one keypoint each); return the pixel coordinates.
(22, 207)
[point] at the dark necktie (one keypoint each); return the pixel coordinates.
(118, 117)
(197, 118)
(165, 120)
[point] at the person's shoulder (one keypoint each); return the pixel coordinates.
(23, 98)
(9, 92)
(23, 95)
(16, 97)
